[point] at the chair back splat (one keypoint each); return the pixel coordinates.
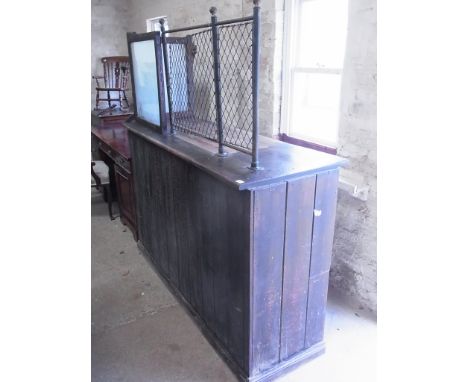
(116, 72)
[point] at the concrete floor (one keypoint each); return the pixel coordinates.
(141, 334)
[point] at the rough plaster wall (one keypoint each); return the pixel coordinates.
(109, 25)
(354, 266)
(183, 13)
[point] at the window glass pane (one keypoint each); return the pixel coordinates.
(145, 79)
(322, 33)
(314, 107)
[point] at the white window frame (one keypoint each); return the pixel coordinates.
(291, 27)
(152, 24)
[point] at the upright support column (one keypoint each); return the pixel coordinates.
(166, 73)
(255, 73)
(217, 79)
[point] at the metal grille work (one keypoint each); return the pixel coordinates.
(235, 48)
(212, 84)
(191, 85)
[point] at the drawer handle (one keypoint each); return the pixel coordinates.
(317, 213)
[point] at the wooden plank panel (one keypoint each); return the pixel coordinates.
(155, 202)
(316, 309)
(324, 222)
(139, 186)
(231, 285)
(193, 254)
(322, 241)
(184, 234)
(266, 279)
(298, 234)
(223, 216)
(172, 171)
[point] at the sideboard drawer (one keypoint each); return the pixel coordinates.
(116, 157)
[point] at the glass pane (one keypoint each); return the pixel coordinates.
(315, 107)
(145, 79)
(322, 33)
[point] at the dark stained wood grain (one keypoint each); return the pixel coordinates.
(281, 161)
(251, 265)
(322, 241)
(222, 238)
(124, 184)
(114, 135)
(298, 238)
(268, 239)
(197, 231)
(111, 145)
(324, 220)
(316, 310)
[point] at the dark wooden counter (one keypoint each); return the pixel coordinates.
(280, 161)
(247, 252)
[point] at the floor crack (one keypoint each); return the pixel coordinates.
(143, 314)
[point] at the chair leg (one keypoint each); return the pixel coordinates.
(108, 195)
(126, 100)
(120, 99)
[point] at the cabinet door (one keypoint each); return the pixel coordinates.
(124, 186)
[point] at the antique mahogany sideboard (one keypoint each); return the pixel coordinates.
(247, 252)
(110, 140)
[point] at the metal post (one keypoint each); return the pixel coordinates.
(166, 73)
(255, 73)
(217, 84)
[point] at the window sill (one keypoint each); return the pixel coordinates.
(300, 142)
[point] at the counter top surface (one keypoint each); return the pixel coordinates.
(280, 161)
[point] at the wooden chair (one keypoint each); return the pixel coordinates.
(116, 73)
(101, 181)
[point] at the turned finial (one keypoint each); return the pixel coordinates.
(213, 10)
(162, 21)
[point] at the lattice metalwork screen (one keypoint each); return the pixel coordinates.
(235, 49)
(193, 87)
(191, 84)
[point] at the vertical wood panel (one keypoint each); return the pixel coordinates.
(322, 242)
(193, 254)
(154, 208)
(205, 236)
(268, 240)
(184, 237)
(139, 185)
(197, 230)
(223, 216)
(316, 309)
(298, 235)
(325, 205)
(172, 174)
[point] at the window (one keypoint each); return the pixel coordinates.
(145, 80)
(314, 50)
(152, 25)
